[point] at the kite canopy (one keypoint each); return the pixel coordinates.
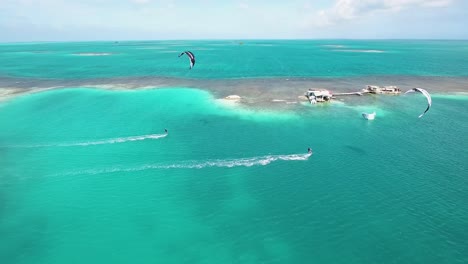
(191, 57)
(425, 93)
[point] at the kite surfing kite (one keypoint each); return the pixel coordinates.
(191, 57)
(425, 93)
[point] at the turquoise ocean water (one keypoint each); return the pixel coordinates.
(89, 176)
(235, 59)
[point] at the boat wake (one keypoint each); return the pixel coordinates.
(194, 164)
(91, 143)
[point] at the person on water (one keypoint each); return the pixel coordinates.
(309, 150)
(165, 130)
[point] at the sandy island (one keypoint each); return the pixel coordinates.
(254, 92)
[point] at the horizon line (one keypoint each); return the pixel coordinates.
(229, 39)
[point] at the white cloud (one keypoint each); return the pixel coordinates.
(438, 3)
(344, 10)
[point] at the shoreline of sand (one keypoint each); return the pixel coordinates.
(268, 92)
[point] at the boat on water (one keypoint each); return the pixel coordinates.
(369, 116)
(318, 96)
(382, 89)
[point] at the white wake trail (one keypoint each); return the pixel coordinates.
(193, 164)
(91, 143)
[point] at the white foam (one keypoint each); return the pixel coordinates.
(194, 164)
(361, 51)
(334, 46)
(93, 54)
(92, 143)
(283, 101)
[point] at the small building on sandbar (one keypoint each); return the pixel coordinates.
(318, 95)
(374, 89)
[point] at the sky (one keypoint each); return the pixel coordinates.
(69, 20)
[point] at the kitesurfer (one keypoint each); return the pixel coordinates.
(191, 57)
(165, 130)
(309, 150)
